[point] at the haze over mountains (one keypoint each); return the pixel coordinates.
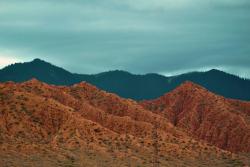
(80, 125)
(127, 85)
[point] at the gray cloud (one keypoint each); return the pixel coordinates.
(140, 36)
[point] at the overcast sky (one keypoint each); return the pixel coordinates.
(140, 36)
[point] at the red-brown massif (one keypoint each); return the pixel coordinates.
(222, 122)
(80, 125)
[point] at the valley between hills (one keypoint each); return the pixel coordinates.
(81, 125)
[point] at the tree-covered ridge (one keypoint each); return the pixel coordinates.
(127, 85)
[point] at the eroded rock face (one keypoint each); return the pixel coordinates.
(35, 111)
(35, 116)
(204, 115)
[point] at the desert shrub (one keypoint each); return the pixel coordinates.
(24, 109)
(13, 107)
(37, 120)
(22, 97)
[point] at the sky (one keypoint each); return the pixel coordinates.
(140, 36)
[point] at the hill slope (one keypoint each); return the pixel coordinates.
(80, 125)
(204, 115)
(127, 85)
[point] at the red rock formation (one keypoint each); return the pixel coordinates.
(35, 116)
(204, 115)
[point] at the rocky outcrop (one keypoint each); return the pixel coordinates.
(204, 115)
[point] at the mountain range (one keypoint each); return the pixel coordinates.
(81, 125)
(127, 85)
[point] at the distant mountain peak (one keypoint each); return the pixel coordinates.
(118, 72)
(40, 61)
(114, 72)
(37, 60)
(215, 71)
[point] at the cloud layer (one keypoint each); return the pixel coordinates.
(141, 36)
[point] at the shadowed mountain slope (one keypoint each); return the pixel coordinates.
(127, 85)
